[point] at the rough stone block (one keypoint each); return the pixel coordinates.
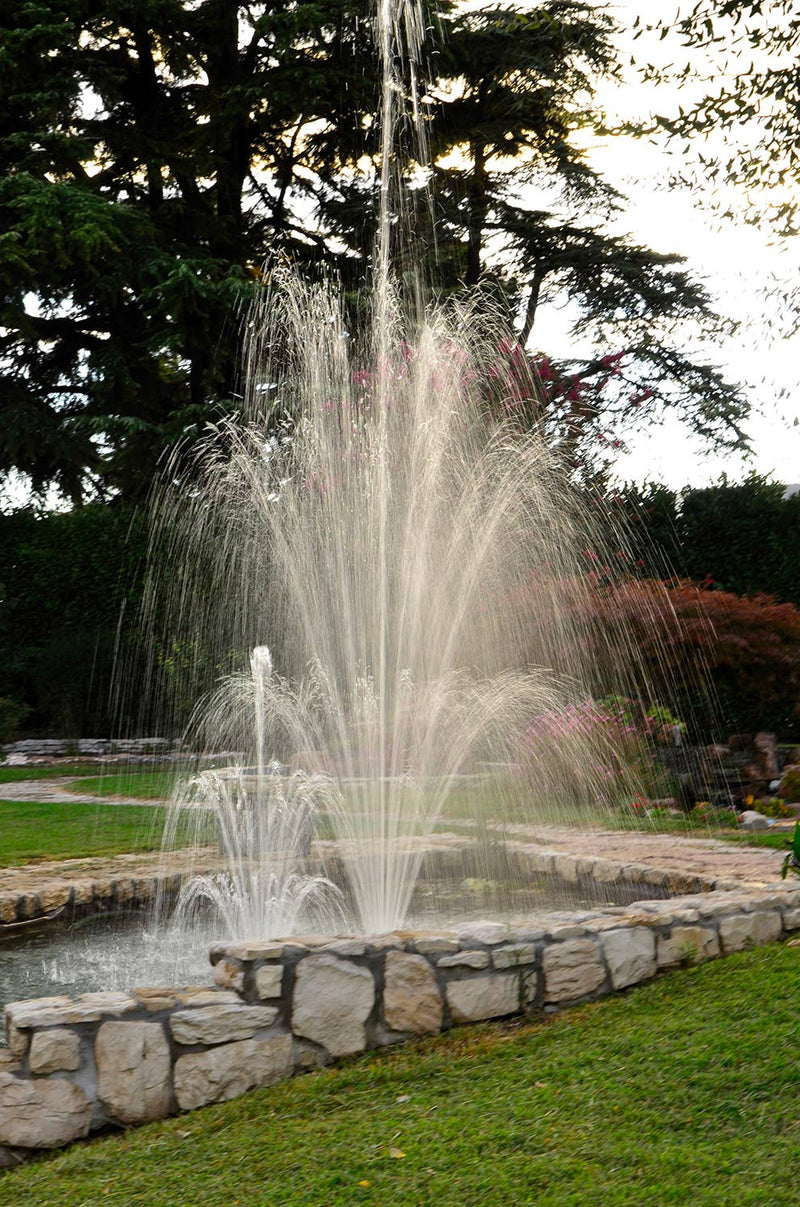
(332, 1000)
(687, 943)
(434, 944)
(231, 1069)
(749, 930)
(791, 919)
(465, 959)
(411, 998)
(60, 1011)
(220, 1024)
(54, 1050)
(269, 979)
(572, 969)
(229, 975)
(514, 955)
(133, 1068)
(484, 997)
(630, 954)
(42, 1113)
(484, 932)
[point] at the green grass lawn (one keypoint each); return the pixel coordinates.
(147, 784)
(15, 775)
(683, 1092)
(31, 831)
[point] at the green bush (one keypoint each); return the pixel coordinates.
(12, 714)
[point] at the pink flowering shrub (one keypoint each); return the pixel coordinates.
(594, 752)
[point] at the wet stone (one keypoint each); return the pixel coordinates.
(684, 944)
(514, 955)
(269, 979)
(631, 955)
(572, 969)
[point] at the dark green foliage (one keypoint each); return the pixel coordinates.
(739, 537)
(152, 154)
(70, 584)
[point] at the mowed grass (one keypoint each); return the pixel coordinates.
(680, 1092)
(30, 831)
(145, 784)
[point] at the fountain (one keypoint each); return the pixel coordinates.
(373, 518)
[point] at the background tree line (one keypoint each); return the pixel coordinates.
(71, 584)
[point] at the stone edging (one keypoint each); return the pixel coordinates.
(105, 1059)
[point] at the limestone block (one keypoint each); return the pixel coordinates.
(41, 1113)
(483, 997)
(231, 1069)
(332, 1000)
(484, 932)
(52, 896)
(434, 944)
(267, 950)
(465, 959)
(566, 930)
(791, 919)
(229, 975)
(133, 1067)
(411, 998)
(692, 943)
(514, 955)
(220, 1024)
(269, 979)
(747, 930)
(566, 866)
(572, 969)
(8, 907)
(54, 1050)
(60, 1011)
(631, 955)
(346, 947)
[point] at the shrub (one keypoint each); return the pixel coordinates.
(12, 714)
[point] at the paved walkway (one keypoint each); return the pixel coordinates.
(708, 857)
(56, 792)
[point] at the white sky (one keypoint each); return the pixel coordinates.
(737, 263)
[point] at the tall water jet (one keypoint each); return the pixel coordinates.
(371, 519)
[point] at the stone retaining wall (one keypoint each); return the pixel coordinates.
(117, 1059)
(60, 747)
(127, 882)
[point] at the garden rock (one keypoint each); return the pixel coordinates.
(483, 997)
(133, 1067)
(42, 1113)
(230, 1070)
(572, 969)
(631, 955)
(754, 821)
(220, 1024)
(411, 998)
(55, 1050)
(332, 1000)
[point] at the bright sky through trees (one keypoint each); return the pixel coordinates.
(748, 271)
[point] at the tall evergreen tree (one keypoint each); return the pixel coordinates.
(152, 153)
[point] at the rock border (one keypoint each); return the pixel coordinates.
(75, 1066)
